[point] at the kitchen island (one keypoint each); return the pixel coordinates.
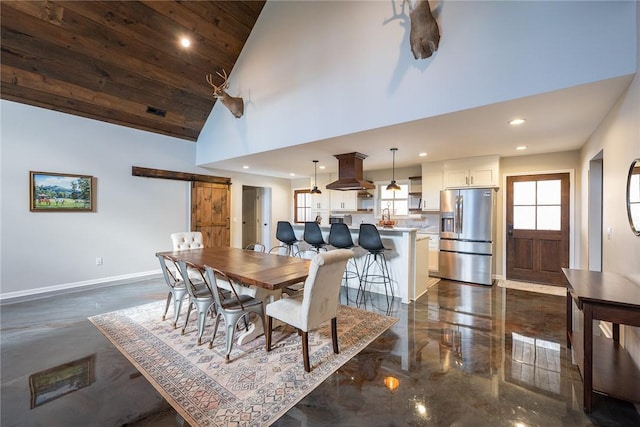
(403, 257)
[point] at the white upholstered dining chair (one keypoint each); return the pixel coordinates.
(318, 302)
(187, 240)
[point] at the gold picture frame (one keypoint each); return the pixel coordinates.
(59, 192)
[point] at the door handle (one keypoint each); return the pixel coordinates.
(510, 229)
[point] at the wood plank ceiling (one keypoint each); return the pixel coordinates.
(119, 61)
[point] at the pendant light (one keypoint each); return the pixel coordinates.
(392, 185)
(315, 189)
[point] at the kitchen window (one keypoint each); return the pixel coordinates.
(302, 206)
(396, 201)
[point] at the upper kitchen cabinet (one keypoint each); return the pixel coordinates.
(472, 172)
(431, 186)
(344, 200)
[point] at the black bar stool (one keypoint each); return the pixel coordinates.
(285, 234)
(370, 240)
(340, 237)
(313, 235)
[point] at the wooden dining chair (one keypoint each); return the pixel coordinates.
(318, 302)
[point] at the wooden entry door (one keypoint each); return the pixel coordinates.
(210, 213)
(538, 227)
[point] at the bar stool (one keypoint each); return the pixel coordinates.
(370, 240)
(340, 237)
(313, 236)
(285, 234)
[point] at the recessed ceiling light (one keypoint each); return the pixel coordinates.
(422, 154)
(521, 147)
(185, 42)
(515, 122)
(322, 167)
(292, 174)
(245, 167)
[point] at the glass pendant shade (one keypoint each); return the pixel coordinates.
(392, 185)
(315, 189)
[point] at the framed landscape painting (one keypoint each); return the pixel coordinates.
(61, 192)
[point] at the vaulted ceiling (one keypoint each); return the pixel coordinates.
(121, 61)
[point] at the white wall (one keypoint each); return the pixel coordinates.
(619, 138)
(43, 251)
(568, 162)
(134, 215)
(317, 69)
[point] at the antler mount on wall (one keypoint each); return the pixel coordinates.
(234, 104)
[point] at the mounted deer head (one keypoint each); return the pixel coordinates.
(235, 105)
(425, 34)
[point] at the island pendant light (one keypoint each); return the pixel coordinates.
(392, 185)
(315, 189)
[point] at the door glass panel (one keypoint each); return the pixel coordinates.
(524, 193)
(549, 192)
(524, 217)
(548, 218)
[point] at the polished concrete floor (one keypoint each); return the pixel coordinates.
(462, 355)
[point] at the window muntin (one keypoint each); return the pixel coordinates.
(396, 201)
(302, 206)
(537, 205)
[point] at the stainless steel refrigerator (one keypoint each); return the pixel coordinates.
(467, 235)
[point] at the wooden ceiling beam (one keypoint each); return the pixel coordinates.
(179, 176)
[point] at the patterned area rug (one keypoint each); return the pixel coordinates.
(256, 387)
(533, 287)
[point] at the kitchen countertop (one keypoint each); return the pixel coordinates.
(429, 230)
(357, 228)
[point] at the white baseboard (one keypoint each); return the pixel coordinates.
(28, 293)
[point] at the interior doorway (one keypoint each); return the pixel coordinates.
(256, 215)
(595, 212)
(537, 220)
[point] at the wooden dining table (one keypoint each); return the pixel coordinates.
(259, 269)
(261, 275)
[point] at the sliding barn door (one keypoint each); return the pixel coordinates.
(210, 213)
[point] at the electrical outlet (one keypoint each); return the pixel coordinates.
(99, 260)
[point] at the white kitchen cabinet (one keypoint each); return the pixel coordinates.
(344, 200)
(472, 172)
(431, 186)
(421, 281)
(434, 249)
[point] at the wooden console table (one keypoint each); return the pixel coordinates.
(606, 367)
